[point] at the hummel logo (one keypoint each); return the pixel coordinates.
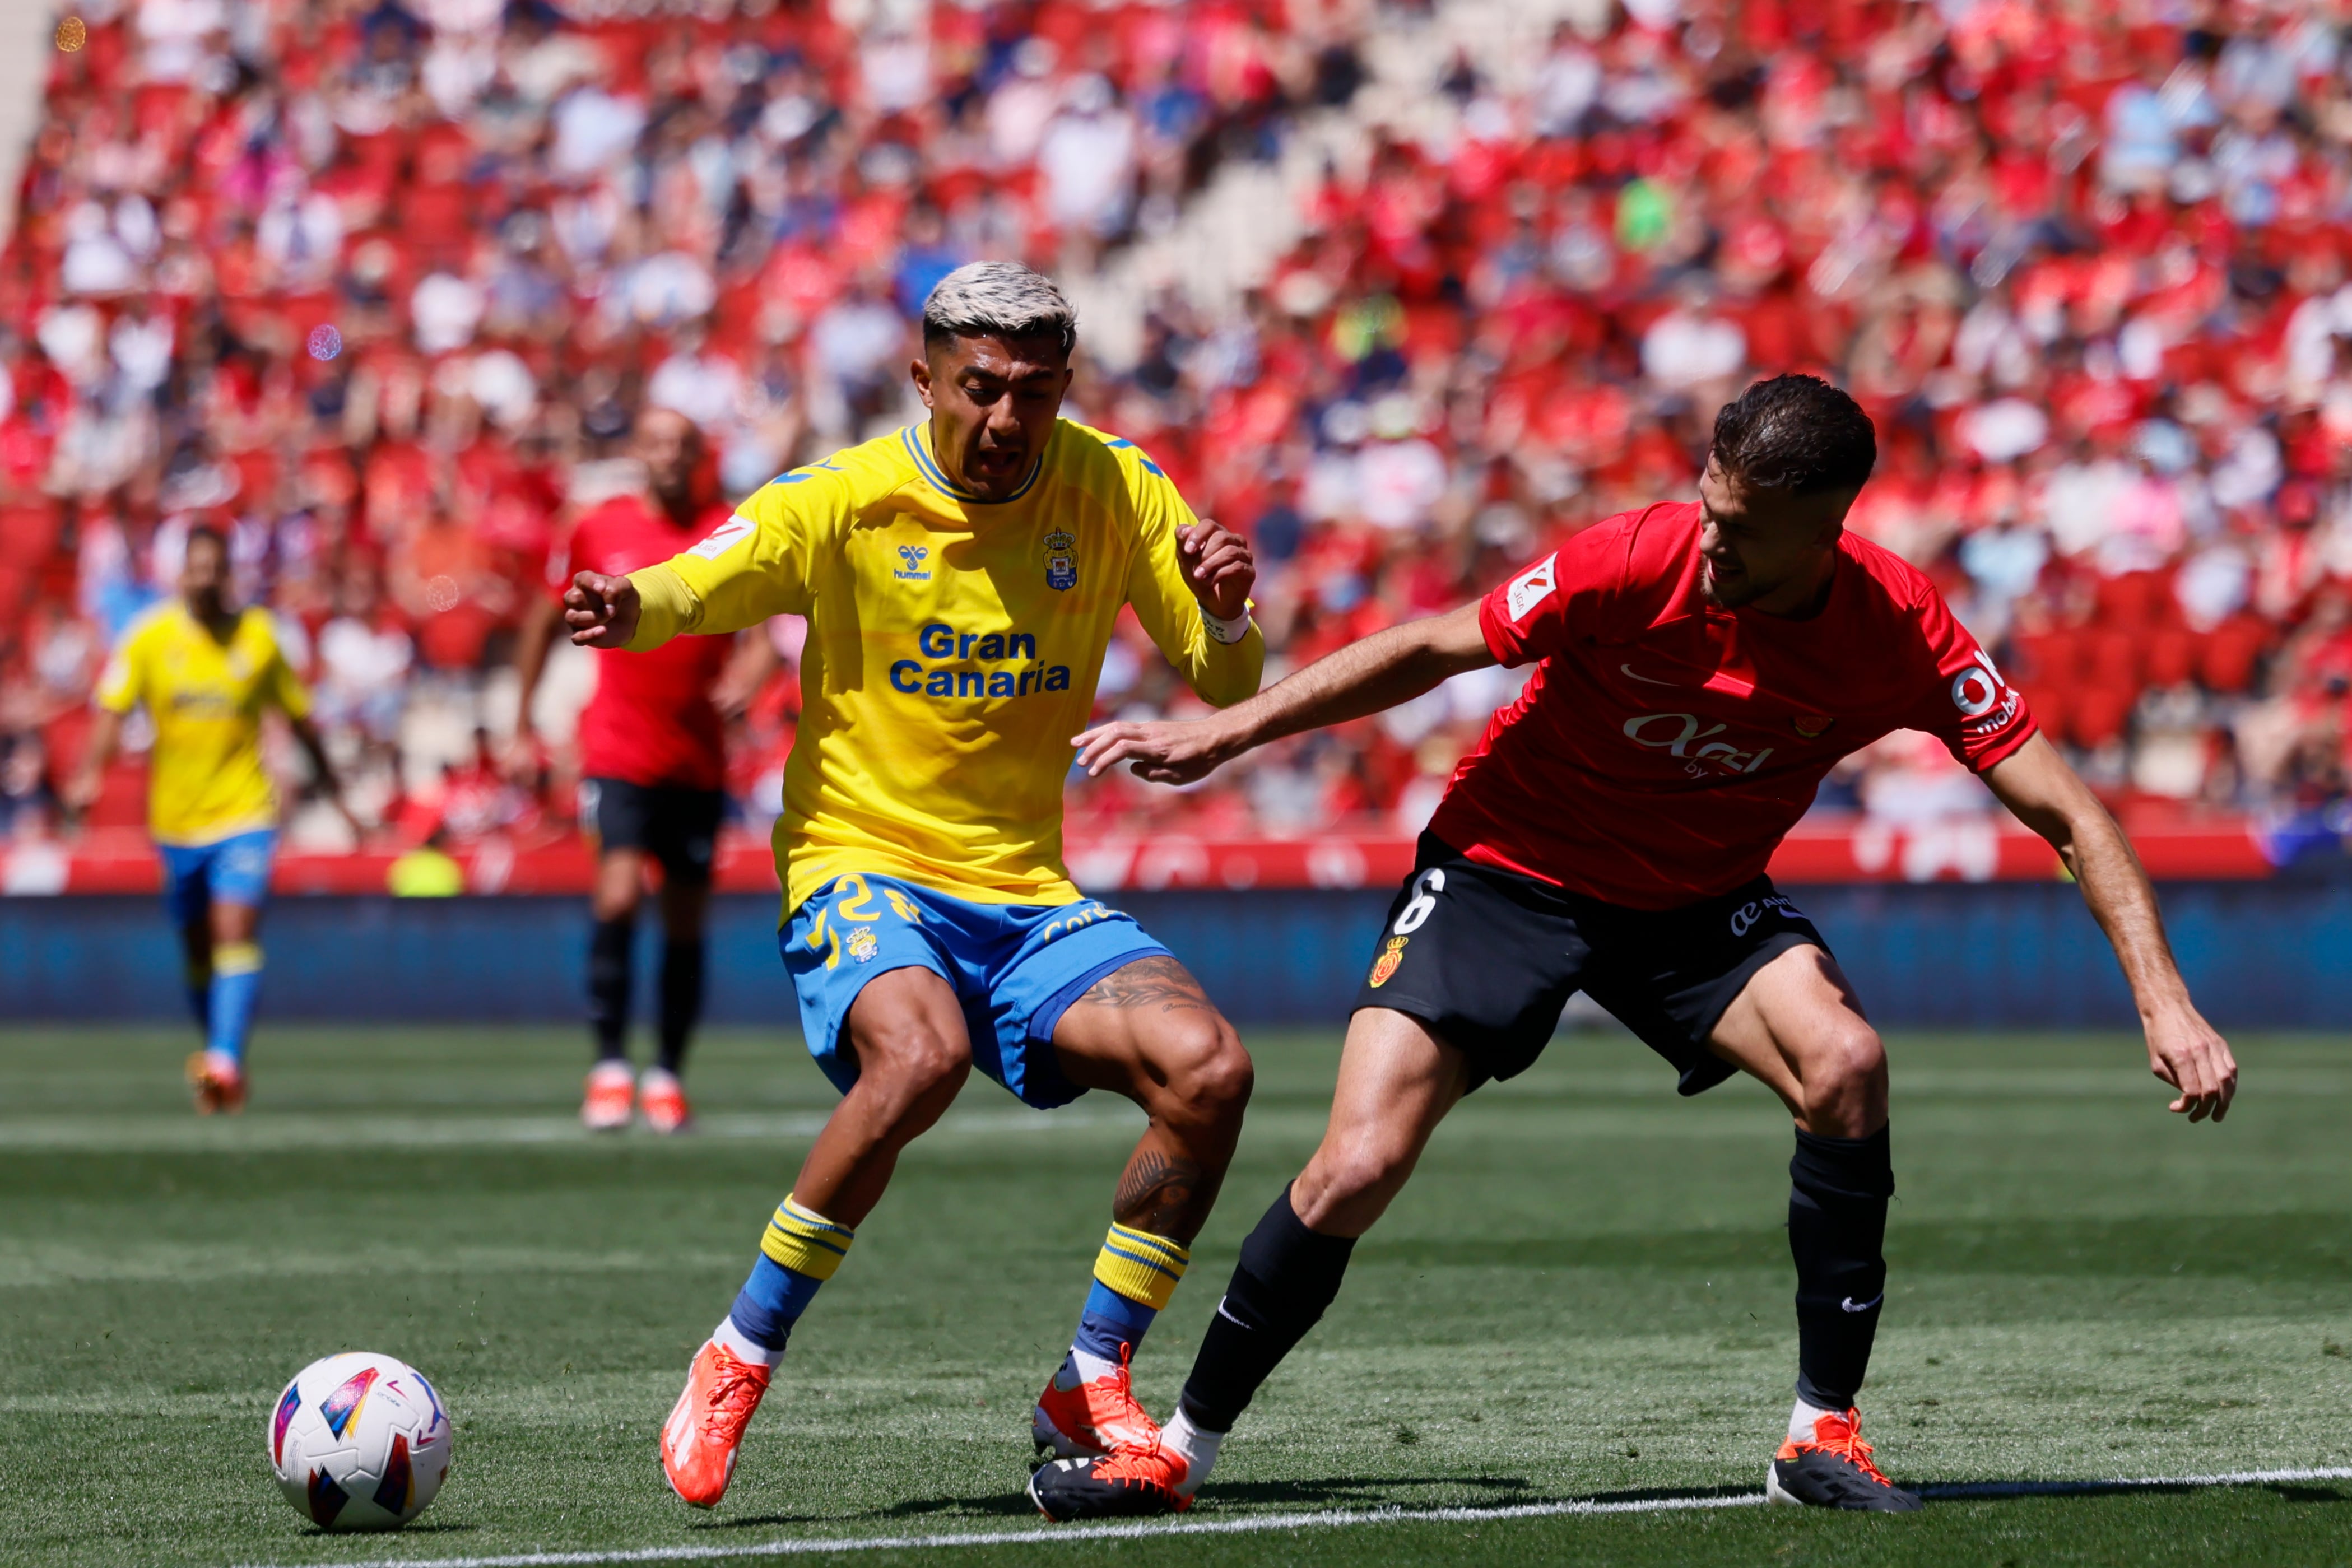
(914, 570)
(1851, 1305)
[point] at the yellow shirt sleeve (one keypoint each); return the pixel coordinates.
(122, 685)
(758, 563)
(1221, 673)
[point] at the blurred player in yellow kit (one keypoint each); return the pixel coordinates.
(961, 579)
(206, 671)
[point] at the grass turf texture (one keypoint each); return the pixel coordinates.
(1585, 1290)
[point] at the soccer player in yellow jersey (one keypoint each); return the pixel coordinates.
(204, 672)
(961, 578)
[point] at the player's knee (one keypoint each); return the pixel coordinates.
(1354, 1179)
(1845, 1081)
(1210, 1075)
(915, 1065)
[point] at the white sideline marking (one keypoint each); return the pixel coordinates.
(1326, 1519)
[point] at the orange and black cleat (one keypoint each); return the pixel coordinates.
(1132, 1480)
(1832, 1469)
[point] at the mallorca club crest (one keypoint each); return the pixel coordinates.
(1810, 727)
(1061, 561)
(860, 944)
(1386, 963)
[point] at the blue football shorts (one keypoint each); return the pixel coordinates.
(233, 870)
(1015, 968)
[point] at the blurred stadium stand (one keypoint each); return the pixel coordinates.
(1407, 290)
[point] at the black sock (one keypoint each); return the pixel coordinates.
(1837, 1233)
(608, 986)
(1286, 1276)
(681, 998)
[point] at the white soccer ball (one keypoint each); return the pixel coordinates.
(358, 1442)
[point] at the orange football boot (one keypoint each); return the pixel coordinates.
(1133, 1479)
(218, 1081)
(1832, 1469)
(706, 1427)
(1090, 1418)
(612, 1094)
(664, 1099)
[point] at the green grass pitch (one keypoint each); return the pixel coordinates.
(1585, 1291)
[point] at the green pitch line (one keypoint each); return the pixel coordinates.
(1584, 1295)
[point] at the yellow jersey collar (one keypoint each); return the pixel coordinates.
(918, 439)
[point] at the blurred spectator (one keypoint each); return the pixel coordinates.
(377, 288)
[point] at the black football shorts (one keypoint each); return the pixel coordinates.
(1487, 958)
(677, 826)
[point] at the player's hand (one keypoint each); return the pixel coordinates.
(518, 762)
(1217, 566)
(81, 789)
(2184, 1050)
(601, 611)
(1165, 751)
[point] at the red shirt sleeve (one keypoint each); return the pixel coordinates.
(1967, 703)
(1535, 613)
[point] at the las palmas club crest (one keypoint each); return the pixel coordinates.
(1061, 561)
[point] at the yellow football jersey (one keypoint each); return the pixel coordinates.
(205, 782)
(952, 651)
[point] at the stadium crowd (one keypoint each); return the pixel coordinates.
(379, 289)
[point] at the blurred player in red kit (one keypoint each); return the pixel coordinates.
(652, 764)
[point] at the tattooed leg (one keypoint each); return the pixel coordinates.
(1148, 1031)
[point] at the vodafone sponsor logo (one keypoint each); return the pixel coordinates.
(1682, 734)
(1532, 587)
(1986, 701)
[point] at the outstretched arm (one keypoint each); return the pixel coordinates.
(2183, 1050)
(1383, 669)
(314, 746)
(89, 780)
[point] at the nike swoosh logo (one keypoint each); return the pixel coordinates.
(1228, 1316)
(1644, 679)
(1851, 1305)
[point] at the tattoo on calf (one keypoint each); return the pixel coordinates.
(1167, 1196)
(1155, 982)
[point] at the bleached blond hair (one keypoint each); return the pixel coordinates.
(999, 300)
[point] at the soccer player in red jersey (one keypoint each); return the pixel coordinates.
(1699, 667)
(652, 759)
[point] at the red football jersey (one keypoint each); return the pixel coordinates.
(651, 721)
(1662, 746)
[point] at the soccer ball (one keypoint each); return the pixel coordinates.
(358, 1442)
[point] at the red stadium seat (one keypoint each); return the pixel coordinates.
(2101, 714)
(2231, 652)
(2172, 655)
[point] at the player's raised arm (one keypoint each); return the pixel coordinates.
(1383, 669)
(2035, 783)
(756, 564)
(1189, 586)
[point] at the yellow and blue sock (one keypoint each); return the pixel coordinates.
(1135, 1275)
(800, 1252)
(236, 986)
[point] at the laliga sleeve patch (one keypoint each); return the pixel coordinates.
(1532, 587)
(725, 537)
